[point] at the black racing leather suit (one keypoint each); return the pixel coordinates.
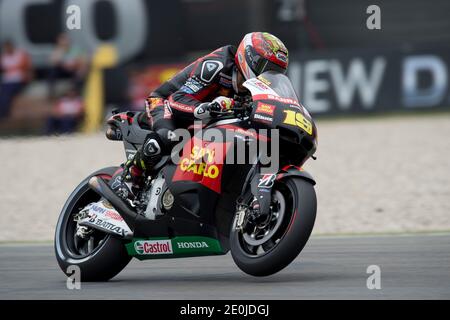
(172, 105)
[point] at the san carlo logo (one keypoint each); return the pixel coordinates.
(207, 169)
(265, 108)
(153, 247)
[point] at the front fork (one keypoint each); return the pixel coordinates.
(256, 195)
(258, 189)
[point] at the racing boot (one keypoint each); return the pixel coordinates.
(143, 162)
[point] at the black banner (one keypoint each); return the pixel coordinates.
(223, 309)
(356, 81)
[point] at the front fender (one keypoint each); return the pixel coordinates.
(261, 184)
(293, 171)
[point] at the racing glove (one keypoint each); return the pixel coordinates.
(151, 103)
(207, 109)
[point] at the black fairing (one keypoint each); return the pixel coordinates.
(297, 145)
(197, 210)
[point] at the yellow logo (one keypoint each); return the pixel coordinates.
(275, 43)
(264, 80)
(206, 168)
(294, 118)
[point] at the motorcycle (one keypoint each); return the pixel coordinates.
(201, 205)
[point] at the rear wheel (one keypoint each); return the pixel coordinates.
(98, 255)
(264, 248)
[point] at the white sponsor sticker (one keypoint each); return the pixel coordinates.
(192, 245)
(104, 217)
(263, 118)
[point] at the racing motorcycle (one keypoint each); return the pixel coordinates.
(201, 205)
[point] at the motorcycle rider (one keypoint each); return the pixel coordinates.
(206, 85)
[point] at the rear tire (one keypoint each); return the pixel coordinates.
(292, 234)
(108, 258)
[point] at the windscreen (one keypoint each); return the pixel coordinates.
(279, 83)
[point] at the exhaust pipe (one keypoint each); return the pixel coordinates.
(99, 185)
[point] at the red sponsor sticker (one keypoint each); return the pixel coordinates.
(114, 215)
(265, 108)
(275, 98)
(202, 163)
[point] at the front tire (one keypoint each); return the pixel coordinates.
(101, 259)
(263, 257)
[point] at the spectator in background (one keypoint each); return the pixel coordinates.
(67, 61)
(66, 114)
(16, 69)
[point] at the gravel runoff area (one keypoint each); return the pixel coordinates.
(374, 175)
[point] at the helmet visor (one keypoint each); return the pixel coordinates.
(260, 64)
(266, 65)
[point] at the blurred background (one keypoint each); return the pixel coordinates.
(380, 96)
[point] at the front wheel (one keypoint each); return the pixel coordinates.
(98, 255)
(262, 249)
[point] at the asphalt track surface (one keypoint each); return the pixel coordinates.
(412, 267)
